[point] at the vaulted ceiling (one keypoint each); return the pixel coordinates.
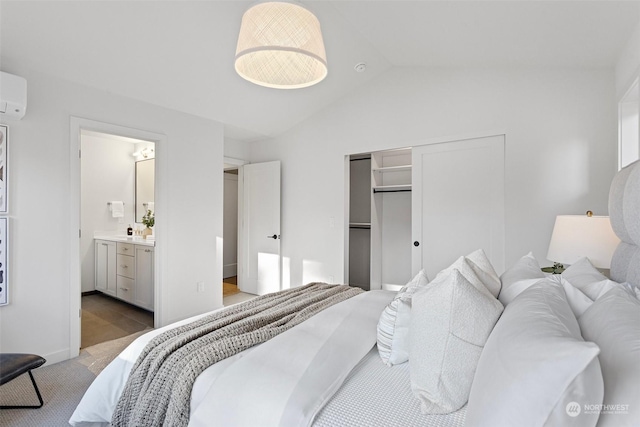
(179, 54)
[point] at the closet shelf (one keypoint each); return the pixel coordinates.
(391, 188)
(403, 168)
(365, 225)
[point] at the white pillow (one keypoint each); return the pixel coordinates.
(509, 293)
(578, 301)
(483, 267)
(534, 364)
(470, 270)
(584, 276)
(393, 326)
(524, 273)
(613, 323)
(450, 322)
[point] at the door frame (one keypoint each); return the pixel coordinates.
(76, 126)
(230, 163)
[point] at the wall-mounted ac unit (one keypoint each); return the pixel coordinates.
(13, 96)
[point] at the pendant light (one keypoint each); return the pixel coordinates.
(280, 46)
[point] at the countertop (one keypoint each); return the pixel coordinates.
(136, 240)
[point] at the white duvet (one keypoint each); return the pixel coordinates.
(282, 382)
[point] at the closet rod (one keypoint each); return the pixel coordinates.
(390, 191)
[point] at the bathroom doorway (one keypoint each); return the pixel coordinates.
(117, 195)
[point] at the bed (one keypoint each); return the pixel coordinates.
(466, 348)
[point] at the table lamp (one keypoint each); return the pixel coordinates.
(577, 236)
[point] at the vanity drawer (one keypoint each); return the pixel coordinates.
(125, 249)
(126, 266)
(125, 288)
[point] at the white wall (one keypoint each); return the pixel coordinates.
(107, 173)
(230, 248)
(189, 191)
(628, 64)
(237, 149)
(560, 130)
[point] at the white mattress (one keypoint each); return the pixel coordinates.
(377, 395)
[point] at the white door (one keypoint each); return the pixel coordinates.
(260, 229)
(457, 202)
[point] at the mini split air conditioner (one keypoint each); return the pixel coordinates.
(13, 96)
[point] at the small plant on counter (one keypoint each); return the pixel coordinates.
(149, 219)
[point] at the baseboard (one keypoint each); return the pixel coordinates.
(84, 294)
(56, 357)
(230, 270)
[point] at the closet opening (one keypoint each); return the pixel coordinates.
(380, 219)
(421, 208)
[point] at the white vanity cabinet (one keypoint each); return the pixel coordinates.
(143, 293)
(105, 253)
(125, 270)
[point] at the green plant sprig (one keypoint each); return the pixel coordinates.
(149, 219)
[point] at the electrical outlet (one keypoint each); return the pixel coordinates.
(331, 279)
(332, 222)
(200, 286)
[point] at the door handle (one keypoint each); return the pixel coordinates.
(416, 243)
(274, 237)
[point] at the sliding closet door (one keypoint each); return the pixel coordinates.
(457, 202)
(260, 231)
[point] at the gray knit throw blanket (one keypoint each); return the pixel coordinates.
(158, 391)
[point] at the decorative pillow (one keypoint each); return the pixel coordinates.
(584, 276)
(485, 271)
(470, 270)
(613, 323)
(450, 322)
(393, 326)
(535, 365)
(526, 268)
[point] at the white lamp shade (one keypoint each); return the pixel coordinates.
(280, 46)
(578, 236)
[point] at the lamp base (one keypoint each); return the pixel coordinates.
(556, 269)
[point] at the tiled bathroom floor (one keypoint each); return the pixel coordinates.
(105, 318)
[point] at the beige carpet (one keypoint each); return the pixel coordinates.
(62, 386)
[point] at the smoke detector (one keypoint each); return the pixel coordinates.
(360, 67)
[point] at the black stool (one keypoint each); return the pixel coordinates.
(12, 365)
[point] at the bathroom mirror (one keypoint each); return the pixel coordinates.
(145, 178)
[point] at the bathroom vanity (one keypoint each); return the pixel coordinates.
(124, 269)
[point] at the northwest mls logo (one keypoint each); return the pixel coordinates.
(573, 409)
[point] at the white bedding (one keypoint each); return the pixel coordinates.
(306, 365)
(376, 395)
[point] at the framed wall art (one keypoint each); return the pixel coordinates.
(4, 276)
(4, 182)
